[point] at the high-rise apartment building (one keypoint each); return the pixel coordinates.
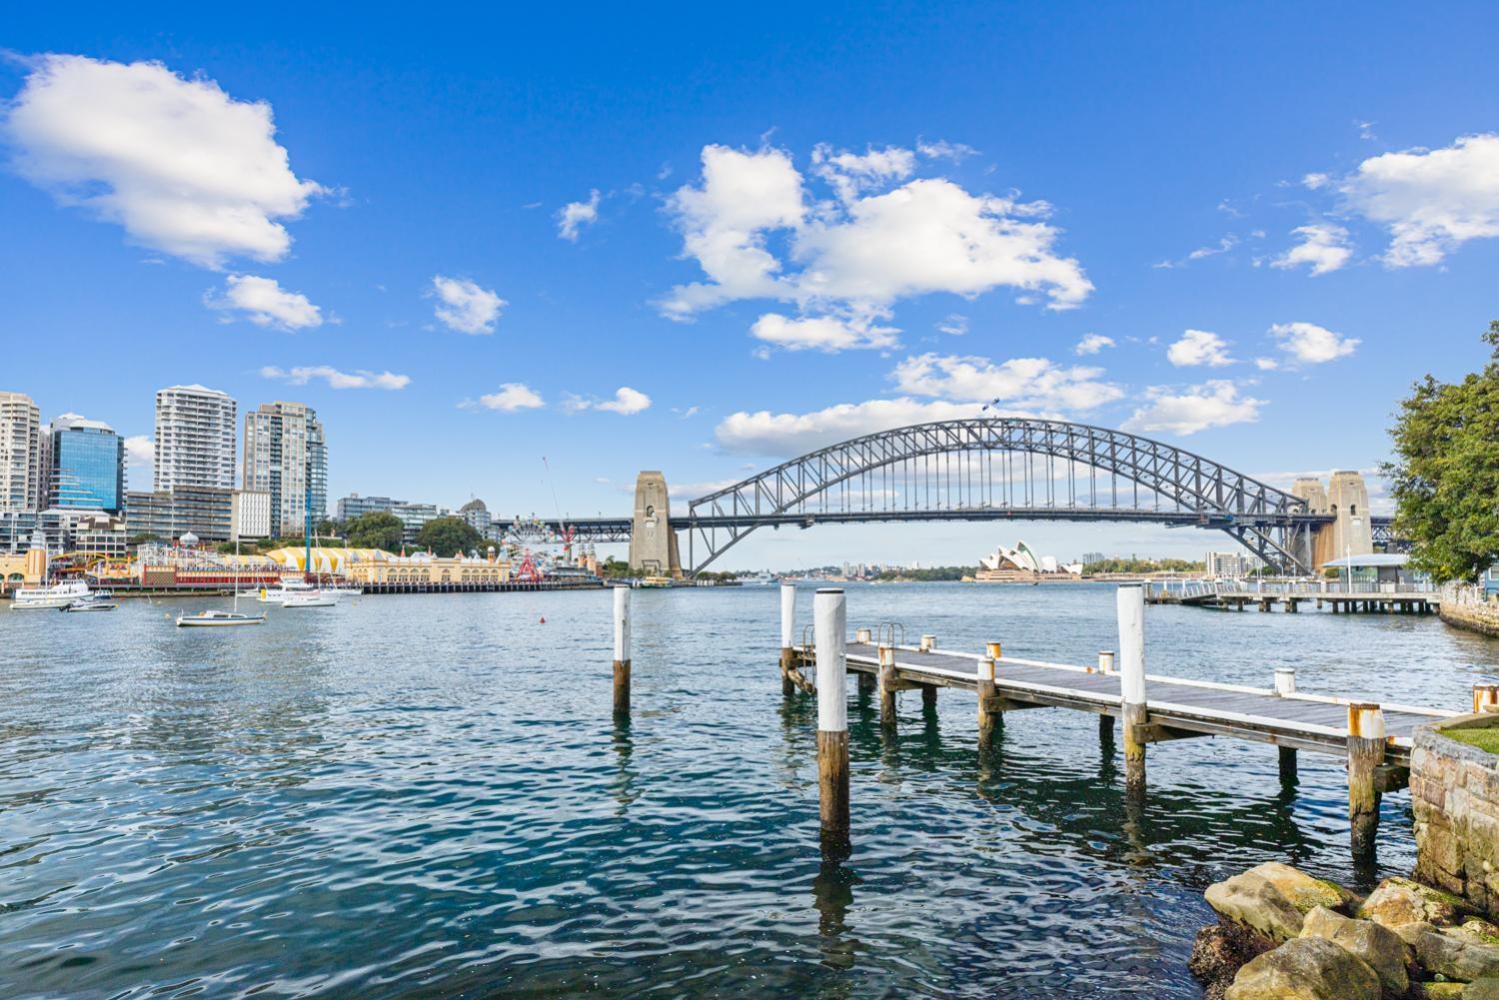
(195, 438)
(85, 465)
(21, 480)
(286, 455)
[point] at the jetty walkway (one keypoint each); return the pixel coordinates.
(1375, 739)
(1238, 594)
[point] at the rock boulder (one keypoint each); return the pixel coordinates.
(1377, 946)
(1309, 968)
(1398, 901)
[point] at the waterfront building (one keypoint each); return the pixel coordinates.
(1228, 565)
(85, 465)
(286, 455)
(195, 438)
(477, 516)
(95, 533)
(251, 514)
(21, 479)
(376, 566)
(1022, 563)
(354, 505)
(204, 511)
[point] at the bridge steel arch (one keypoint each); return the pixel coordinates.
(852, 481)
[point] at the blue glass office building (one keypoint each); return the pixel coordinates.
(87, 465)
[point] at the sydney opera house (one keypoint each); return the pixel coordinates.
(1022, 564)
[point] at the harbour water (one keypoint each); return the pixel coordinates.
(427, 796)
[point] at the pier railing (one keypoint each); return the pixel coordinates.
(1190, 590)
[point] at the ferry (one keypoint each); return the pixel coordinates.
(311, 598)
(56, 596)
(761, 579)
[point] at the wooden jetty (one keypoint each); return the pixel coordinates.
(1374, 738)
(1361, 599)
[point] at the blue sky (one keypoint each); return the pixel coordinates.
(899, 211)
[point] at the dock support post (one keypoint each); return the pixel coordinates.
(928, 698)
(1366, 746)
(788, 637)
(1131, 607)
(1285, 684)
(887, 688)
(831, 622)
(1485, 698)
(621, 651)
(988, 697)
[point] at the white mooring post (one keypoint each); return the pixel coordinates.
(621, 650)
(1366, 748)
(788, 636)
(830, 615)
(1285, 686)
(1131, 606)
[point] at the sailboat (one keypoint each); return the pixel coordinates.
(216, 618)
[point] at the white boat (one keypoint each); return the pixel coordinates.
(98, 600)
(57, 596)
(757, 580)
(278, 595)
(215, 618)
(312, 598)
(346, 591)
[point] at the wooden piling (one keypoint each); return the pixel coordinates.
(988, 698)
(788, 637)
(1130, 602)
(1106, 661)
(887, 688)
(928, 698)
(1485, 698)
(621, 650)
(1366, 750)
(830, 619)
(1285, 685)
(928, 643)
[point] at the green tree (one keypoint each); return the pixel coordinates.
(447, 536)
(1445, 476)
(376, 530)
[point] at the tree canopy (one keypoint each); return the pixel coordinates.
(376, 530)
(1445, 476)
(448, 536)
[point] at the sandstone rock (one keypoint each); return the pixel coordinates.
(1399, 901)
(1449, 956)
(1476, 930)
(1379, 947)
(1441, 991)
(1486, 988)
(1254, 901)
(1310, 968)
(1302, 890)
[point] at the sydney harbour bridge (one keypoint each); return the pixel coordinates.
(998, 469)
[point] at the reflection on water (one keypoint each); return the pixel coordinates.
(422, 796)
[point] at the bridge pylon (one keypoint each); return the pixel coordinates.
(653, 543)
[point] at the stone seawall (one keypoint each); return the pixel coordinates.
(1455, 797)
(1474, 617)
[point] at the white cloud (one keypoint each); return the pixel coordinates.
(577, 214)
(1023, 383)
(1432, 201)
(1324, 246)
(1215, 403)
(1092, 343)
(1266, 364)
(829, 334)
(1315, 182)
(1311, 344)
(852, 174)
(787, 434)
(724, 221)
(140, 451)
(626, 402)
(179, 164)
(336, 379)
(1224, 245)
(264, 303)
(858, 253)
(941, 149)
(513, 396)
(955, 325)
(1199, 347)
(465, 306)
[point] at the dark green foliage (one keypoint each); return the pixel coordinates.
(447, 536)
(376, 530)
(1445, 476)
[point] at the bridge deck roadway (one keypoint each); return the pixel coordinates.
(1187, 707)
